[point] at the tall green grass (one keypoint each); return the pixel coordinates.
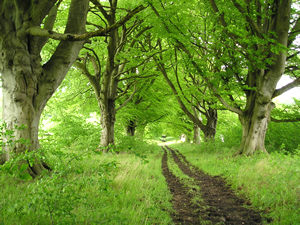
(271, 182)
(90, 188)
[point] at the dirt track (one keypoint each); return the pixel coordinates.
(213, 203)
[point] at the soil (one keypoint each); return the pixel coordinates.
(214, 202)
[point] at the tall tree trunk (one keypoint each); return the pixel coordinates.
(19, 110)
(196, 138)
(109, 87)
(211, 125)
(108, 114)
(255, 125)
(106, 84)
(20, 73)
(130, 129)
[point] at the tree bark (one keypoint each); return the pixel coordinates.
(109, 85)
(255, 125)
(20, 74)
(28, 85)
(19, 111)
(196, 138)
(196, 128)
(211, 125)
(108, 95)
(130, 129)
(108, 124)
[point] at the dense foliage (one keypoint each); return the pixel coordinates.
(91, 88)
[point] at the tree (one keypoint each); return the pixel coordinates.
(133, 120)
(251, 42)
(149, 105)
(27, 84)
(109, 79)
(271, 25)
(195, 99)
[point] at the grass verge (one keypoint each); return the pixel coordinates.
(271, 182)
(90, 189)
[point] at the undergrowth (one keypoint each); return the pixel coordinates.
(87, 187)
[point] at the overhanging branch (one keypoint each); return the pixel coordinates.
(285, 120)
(181, 46)
(38, 31)
(252, 24)
(287, 87)
(127, 100)
(294, 32)
(210, 86)
(101, 8)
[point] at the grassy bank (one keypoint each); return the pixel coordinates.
(271, 182)
(90, 189)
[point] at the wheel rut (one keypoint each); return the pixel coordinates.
(213, 203)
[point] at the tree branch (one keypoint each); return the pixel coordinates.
(294, 32)
(49, 23)
(38, 31)
(136, 76)
(181, 46)
(40, 10)
(84, 71)
(223, 22)
(96, 65)
(101, 8)
(127, 100)
(211, 87)
(285, 120)
(181, 104)
(252, 24)
(157, 119)
(139, 64)
(293, 55)
(65, 54)
(124, 92)
(287, 87)
(216, 10)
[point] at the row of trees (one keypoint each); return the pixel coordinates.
(212, 55)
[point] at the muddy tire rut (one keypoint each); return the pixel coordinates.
(213, 203)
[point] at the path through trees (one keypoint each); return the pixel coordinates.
(204, 199)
